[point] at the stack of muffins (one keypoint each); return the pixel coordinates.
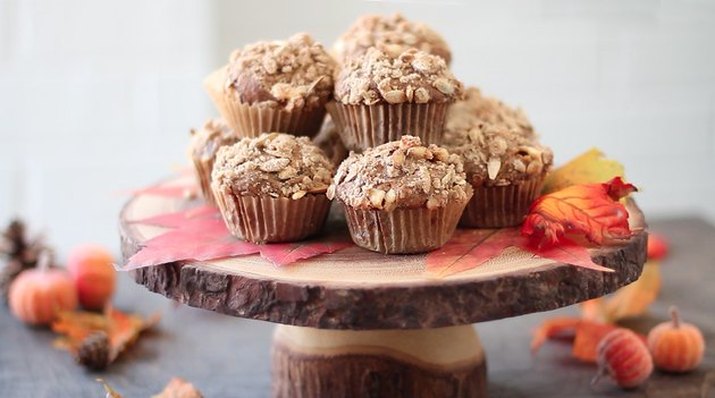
(425, 154)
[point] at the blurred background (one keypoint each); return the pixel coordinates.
(97, 98)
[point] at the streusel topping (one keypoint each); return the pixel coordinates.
(294, 73)
(412, 77)
(206, 141)
(495, 155)
(476, 108)
(392, 34)
(274, 164)
(401, 174)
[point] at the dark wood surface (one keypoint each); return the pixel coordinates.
(332, 292)
(229, 357)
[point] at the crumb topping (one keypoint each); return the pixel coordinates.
(206, 141)
(294, 73)
(495, 155)
(329, 141)
(401, 174)
(413, 76)
(476, 108)
(393, 34)
(274, 164)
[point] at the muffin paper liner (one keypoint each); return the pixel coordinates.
(501, 206)
(202, 169)
(267, 219)
(365, 126)
(252, 120)
(403, 231)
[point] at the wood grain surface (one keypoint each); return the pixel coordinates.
(358, 289)
(230, 357)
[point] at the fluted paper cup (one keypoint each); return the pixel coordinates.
(267, 219)
(403, 231)
(367, 126)
(251, 120)
(202, 170)
(501, 206)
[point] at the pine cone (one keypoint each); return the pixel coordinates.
(20, 253)
(8, 274)
(93, 353)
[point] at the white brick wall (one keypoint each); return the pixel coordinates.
(97, 97)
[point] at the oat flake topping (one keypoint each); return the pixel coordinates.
(401, 174)
(495, 155)
(413, 76)
(392, 34)
(274, 164)
(206, 141)
(476, 108)
(293, 73)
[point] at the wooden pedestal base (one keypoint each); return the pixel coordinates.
(445, 362)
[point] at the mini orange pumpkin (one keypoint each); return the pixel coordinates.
(37, 295)
(93, 273)
(624, 356)
(676, 346)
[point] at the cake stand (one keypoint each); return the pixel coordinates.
(361, 324)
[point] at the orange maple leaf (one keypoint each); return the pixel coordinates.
(591, 210)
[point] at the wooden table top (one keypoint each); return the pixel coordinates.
(225, 356)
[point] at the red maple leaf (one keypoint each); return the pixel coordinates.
(590, 210)
(470, 248)
(200, 234)
(177, 219)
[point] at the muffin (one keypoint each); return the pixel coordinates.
(205, 142)
(272, 188)
(379, 98)
(328, 140)
(401, 197)
(274, 86)
(506, 170)
(392, 34)
(476, 108)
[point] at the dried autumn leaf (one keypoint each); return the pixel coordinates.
(591, 210)
(589, 167)
(287, 253)
(179, 388)
(122, 329)
(171, 191)
(470, 248)
(633, 300)
(177, 219)
(567, 252)
(111, 393)
(200, 234)
(588, 335)
(552, 328)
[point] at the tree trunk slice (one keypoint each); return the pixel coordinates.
(361, 290)
(446, 362)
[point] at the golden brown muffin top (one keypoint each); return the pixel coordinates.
(476, 108)
(273, 164)
(392, 34)
(412, 77)
(206, 141)
(401, 174)
(294, 73)
(495, 155)
(328, 139)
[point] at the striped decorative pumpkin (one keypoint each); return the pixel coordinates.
(624, 357)
(676, 346)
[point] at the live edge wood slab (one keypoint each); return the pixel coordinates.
(350, 310)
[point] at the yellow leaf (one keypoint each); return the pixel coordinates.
(634, 299)
(587, 168)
